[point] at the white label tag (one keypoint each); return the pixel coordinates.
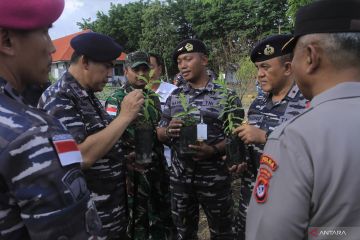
(201, 132)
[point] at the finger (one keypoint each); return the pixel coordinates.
(233, 168)
(195, 147)
(238, 129)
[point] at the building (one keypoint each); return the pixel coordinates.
(61, 59)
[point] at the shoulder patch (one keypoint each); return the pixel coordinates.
(66, 149)
(268, 161)
(265, 173)
(261, 189)
(111, 109)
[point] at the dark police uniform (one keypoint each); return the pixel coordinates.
(205, 182)
(83, 115)
(266, 115)
(150, 215)
(45, 195)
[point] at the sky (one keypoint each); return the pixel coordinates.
(75, 11)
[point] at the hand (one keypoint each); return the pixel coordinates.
(250, 134)
(203, 151)
(131, 105)
(240, 168)
(173, 130)
(131, 165)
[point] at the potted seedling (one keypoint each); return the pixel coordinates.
(232, 115)
(144, 125)
(188, 131)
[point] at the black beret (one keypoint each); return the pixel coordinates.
(327, 16)
(269, 48)
(96, 46)
(189, 46)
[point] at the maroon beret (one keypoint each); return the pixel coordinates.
(29, 14)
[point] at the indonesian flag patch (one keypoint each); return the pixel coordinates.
(261, 189)
(66, 149)
(111, 110)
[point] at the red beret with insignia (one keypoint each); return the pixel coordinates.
(29, 14)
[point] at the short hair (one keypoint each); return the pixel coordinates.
(286, 58)
(158, 59)
(75, 57)
(342, 49)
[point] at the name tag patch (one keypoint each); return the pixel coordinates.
(268, 161)
(66, 149)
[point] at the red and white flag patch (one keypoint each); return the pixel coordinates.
(111, 110)
(67, 149)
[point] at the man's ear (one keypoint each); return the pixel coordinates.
(288, 68)
(6, 46)
(204, 59)
(313, 58)
(126, 71)
(85, 62)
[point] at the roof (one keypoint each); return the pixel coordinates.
(64, 50)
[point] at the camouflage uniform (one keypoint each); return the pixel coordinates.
(206, 182)
(83, 115)
(41, 195)
(149, 200)
(266, 115)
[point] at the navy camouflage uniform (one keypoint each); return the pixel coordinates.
(42, 197)
(83, 115)
(206, 182)
(266, 115)
(149, 198)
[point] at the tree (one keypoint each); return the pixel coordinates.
(159, 32)
(294, 5)
(123, 23)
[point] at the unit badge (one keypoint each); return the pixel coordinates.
(269, 50)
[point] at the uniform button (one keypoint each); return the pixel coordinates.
(63, 238)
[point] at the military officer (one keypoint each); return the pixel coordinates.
(43, 194)
(71, 100)
(204, 178)
(308, 174)
(281, 102)
(149, 198)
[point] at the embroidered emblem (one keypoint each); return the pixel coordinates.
(66, 149)
(269, 50)
(111, 110)
(268, 161)
(261, 189)
(189, 47)
(265, 173)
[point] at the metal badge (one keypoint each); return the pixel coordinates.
(189, 47)
(269, 50)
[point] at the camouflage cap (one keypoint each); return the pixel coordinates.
(137, 58)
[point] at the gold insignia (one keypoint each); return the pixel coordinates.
(189, 47)
(180, 49)
(269, 50)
